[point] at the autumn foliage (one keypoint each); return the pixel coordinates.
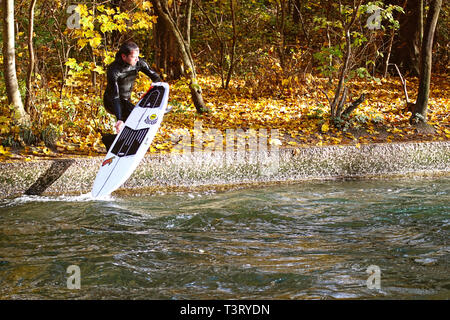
(281, 73)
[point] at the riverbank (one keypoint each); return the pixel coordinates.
(200, 170)
(301, 118)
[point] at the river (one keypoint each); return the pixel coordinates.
(311, 240)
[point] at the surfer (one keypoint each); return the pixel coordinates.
(121, 75)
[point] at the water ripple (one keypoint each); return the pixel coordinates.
(306, 241)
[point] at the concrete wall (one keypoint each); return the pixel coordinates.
(75, 176)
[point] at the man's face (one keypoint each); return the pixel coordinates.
(132, 58)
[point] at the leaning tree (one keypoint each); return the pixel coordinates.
(161, 8)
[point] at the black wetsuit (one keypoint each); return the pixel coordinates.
(121, 77)
(120, 81)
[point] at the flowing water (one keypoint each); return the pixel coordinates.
(313, 240)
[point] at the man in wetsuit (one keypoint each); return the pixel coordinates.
(121, 75)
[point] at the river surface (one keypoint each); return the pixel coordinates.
(314, 240)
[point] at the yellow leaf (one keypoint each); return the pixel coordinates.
(110, 11)
(95, 42)
(82, 10)
(325, 127)
(99, 70)
(146, 5)
(351, 136)
(82, 42)
(336, 140)
(2, 150)
(108, 60)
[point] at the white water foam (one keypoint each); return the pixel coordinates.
(81, 198)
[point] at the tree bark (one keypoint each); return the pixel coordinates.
(188, 21)
(167, 57)
(233, 46)
(9, 63)
(421, 15)
(162, 10)
(419, 113)
(341, 91)
(29, 92)
(406, 50)
(344, 68)
(388, 53)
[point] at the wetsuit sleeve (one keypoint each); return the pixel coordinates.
(114, 95)
(117, 108)
(143, 67)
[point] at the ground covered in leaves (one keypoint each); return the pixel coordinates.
(69, 123)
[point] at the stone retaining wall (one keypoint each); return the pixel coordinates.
(75, 176)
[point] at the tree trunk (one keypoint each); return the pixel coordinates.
(342, 74)
(340, 95)
(421, 15)
(9, 63)
(419, 113)
(162, 10)
(406, 50)
(167, 57)
(233, 46)
(188, 21)
(93, 73)
(29, 92)
(388, 54)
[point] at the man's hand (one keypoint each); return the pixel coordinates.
(119, 126)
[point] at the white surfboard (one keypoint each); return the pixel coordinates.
(133, 141)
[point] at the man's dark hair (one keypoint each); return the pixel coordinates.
(126, 48)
